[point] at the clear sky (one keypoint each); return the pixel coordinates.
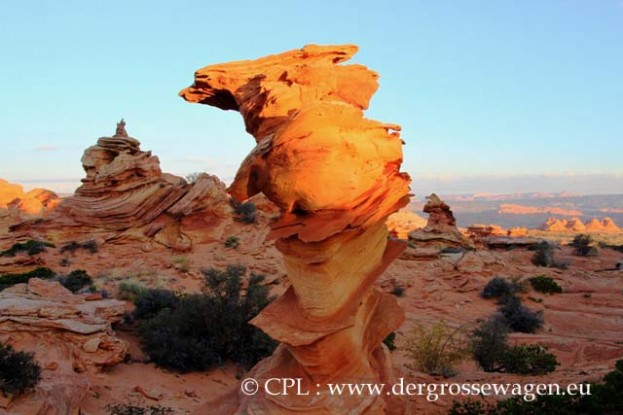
(497, 91)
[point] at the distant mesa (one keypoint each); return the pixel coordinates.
(606, 225)
(508, 208)
(440, 230)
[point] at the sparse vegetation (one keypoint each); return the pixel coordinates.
(493, 354)
(12, 279)
(71, 247)
(131, 291)
(501, 288)
(193, 177)
(30, 247)
(182, 263)
(124, 409)
(488, 343)
(545, 284)
(200, 331)
(398, 290)
(584, 245)
(244, 212)
(437, 349)
(519, 317)
(150, 302)
(18, 370)
(76, 280)
(531, 359)
(232, 242)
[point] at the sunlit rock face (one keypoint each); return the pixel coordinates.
(335, 177)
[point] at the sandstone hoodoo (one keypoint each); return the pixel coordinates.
(335, 176)
(440, 230)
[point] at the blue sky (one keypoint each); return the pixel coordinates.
(486, 91)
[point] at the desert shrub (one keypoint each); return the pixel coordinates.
(472, 407)
(200, 331)
(182, 263)
(73, 246)
(501, 288)
(545, 284)
(64, 262)
(398, 291)
(244, 212)
(76, 280)
(124, 409)
(488, 343)
(436, 350)
(12, 279)
(31, 247)
(543, 255)
(150, 302)
(452, 250)
(584, 245)
(130, 291)
(18, 370)
(193, 177)
(531, 359)
(519, 317)
(389, 341)
(232, 242)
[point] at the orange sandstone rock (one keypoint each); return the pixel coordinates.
(335, 177)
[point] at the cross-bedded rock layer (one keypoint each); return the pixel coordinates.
(335, 176)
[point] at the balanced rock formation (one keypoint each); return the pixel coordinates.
(335, 177)
(125, 191)
(69, 335)
(440, 230)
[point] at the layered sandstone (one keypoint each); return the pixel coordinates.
(17, 205)
(69, 335)
(126, 195)
(335, 177)
(441, 230)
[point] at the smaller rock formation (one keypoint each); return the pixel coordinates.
(402, 222)
(69, 336)
(17, 205)
(440, 230)
(480, 231)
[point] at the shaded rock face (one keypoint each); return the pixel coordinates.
(440, 230)
(69, 335)
(335, 177)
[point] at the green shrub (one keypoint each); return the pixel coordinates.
(232, 242)
(31, 247)
(130, 291)
(584, 245)
(501, 288)
(150, 302)
(545, 284)
(124, 409)
(18, 370)
(436, 350)
(182, 263)
(531, 359)
(200, 331)
(12, 279)
(389, 341)
(519, 317)
(76, 280)
(543, 255)
(488, 343)
(244, 212)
